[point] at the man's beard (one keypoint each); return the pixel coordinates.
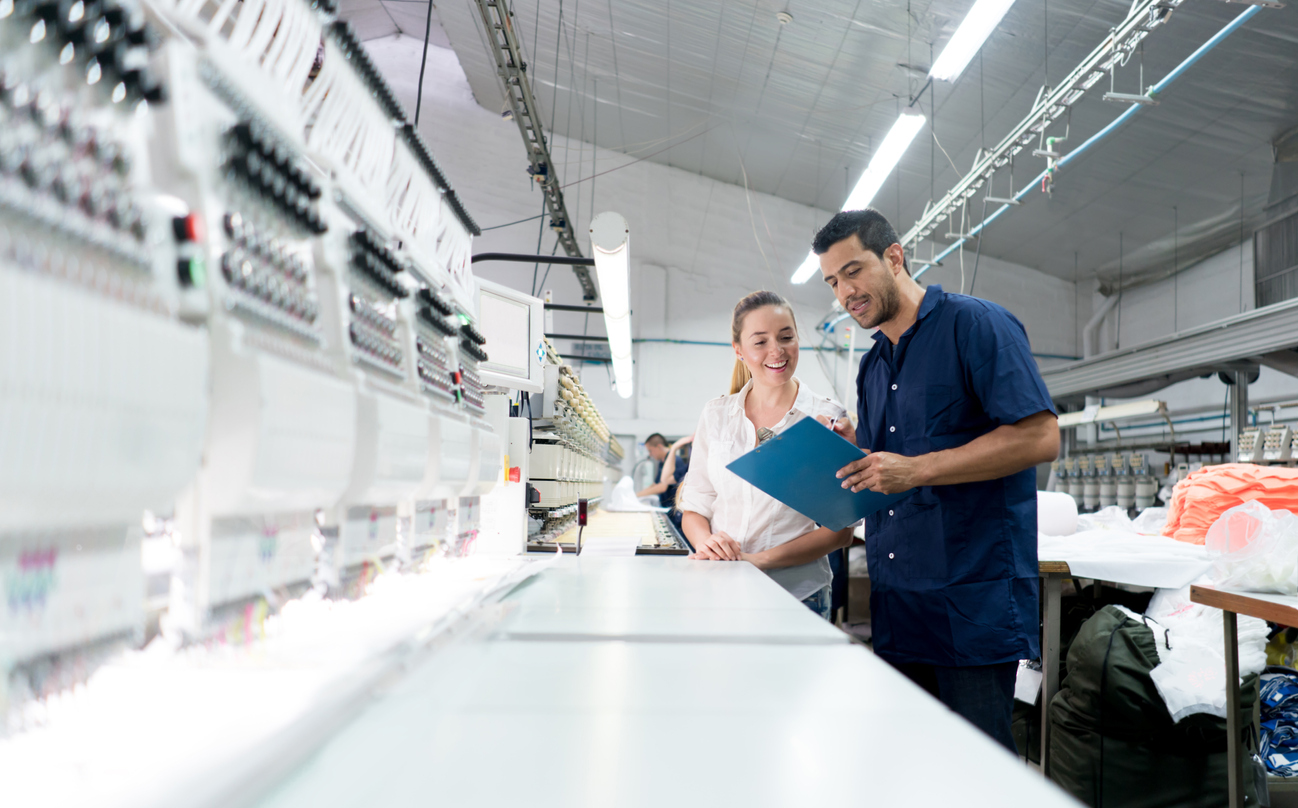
(884, 306)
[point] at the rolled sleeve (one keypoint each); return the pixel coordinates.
(696, 492)
(1002, 371)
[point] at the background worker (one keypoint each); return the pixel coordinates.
(672, 465)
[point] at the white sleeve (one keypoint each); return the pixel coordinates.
(696, 492)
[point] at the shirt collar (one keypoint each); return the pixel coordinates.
(801, 402)
(932, 296)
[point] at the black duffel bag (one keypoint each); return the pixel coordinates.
(1112, 741)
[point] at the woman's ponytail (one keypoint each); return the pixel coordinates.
(739, 377)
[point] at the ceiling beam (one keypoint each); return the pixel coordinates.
(498, 24)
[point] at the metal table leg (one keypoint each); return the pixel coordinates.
(1050, 586)
(1234, 763)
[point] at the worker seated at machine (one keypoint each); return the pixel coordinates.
(672, 463)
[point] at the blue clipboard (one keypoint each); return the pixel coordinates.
(797, 467)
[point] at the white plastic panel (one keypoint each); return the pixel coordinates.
(392, 450)
(304, 440)
(455, 455)
(490, 461)
(251, 555)
(70, 588)
(282, 435)
(103, 406)
(432, 522)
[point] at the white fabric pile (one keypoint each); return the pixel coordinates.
(1108, 546)
(1191, 675)
(623, 499)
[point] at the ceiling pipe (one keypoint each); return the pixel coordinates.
(1092, 328)
(1162, 85)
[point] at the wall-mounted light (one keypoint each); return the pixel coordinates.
(610, 242)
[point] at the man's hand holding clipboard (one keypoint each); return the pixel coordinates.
(881, 472)
(800, 468)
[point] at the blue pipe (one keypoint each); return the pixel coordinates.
(1185, 65)
(716, 344)
(1163, 424)
(803, 347)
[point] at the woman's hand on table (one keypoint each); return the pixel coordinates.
(756, 559)
(718, 547)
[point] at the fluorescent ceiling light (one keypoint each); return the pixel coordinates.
(885, 159)
(1114, 412)
(807, 269)
(978, 24)
(610, 241)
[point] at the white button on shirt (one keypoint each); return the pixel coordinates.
(757, 521)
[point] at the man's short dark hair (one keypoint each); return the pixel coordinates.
(875, 232)
(655, 440)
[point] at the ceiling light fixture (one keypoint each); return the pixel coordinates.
(610, 242)
(885, 159)
(977, 25)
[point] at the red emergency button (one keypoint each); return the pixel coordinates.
(516, 475)
(188, 228)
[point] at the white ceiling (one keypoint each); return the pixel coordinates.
(795, 110)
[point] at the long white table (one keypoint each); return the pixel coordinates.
(672, 682)
(661, 598)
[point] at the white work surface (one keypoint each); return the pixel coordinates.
(1123, 557)
(653, 724)
(650, 720)
(661, 598)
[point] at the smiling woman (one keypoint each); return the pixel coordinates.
(724, 517)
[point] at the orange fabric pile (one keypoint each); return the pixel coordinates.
(1206, 494)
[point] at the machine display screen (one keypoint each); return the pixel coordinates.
(506, 325)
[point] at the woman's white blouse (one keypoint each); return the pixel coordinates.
(733, 506)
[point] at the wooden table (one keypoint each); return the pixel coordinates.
(1275, 608)
(1052, 574)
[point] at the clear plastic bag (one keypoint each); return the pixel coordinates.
(1258, 549)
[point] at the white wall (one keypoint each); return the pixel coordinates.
(1046, 305)
(1214, 288)
(695, 249)
(1217, 287)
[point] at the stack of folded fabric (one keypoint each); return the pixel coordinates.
(1206, 494)
(1278, 744)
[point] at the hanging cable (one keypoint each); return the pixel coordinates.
(979, 252)
(423, 62)
(1117, 337)
(511, 224)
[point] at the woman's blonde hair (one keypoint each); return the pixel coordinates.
(740, 375)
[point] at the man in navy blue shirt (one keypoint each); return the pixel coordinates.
(672, 468)
(950, 403)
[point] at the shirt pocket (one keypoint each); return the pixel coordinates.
(942, 407)
(720, 453)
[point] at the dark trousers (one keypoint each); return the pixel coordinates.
(983, 695)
